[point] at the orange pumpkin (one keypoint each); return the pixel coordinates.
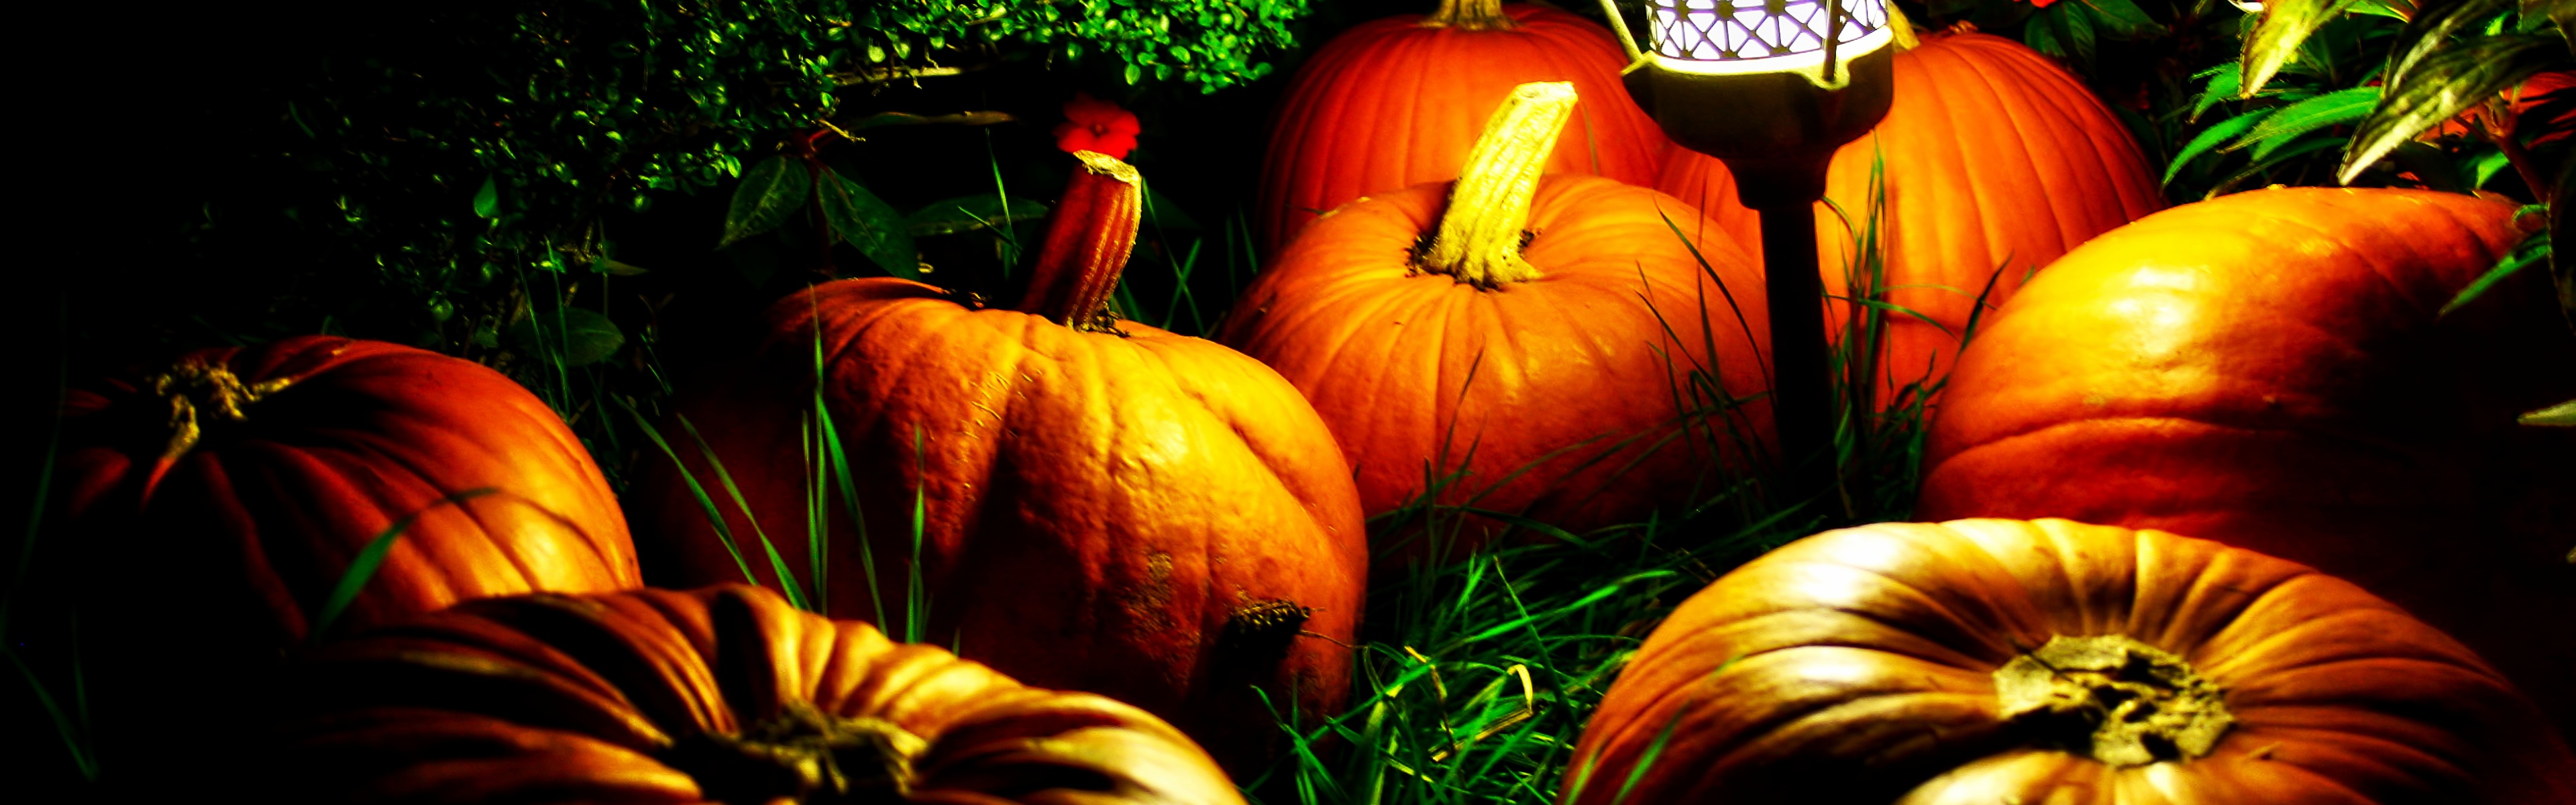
(220, 504)
(1534, 332)
(1991, 661)
(2272, 370)
(1995, 161)
(1397, 102)
(724, 694)
(1103, 506)
(241, 482)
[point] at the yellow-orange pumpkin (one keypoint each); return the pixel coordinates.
(1977, 662)
(1103, 506)
(2272, 370)
(1397, 102)
(1550, 360)
(1994, 159)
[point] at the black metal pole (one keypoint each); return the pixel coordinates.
(1801, 402)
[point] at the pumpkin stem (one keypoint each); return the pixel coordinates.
(1481, 234)
(802, 755)
(1470, 15)
(1087, 244)
(2123, 702)
(195, 385)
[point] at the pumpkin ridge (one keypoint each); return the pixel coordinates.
(1951, 619)
(2026, 99)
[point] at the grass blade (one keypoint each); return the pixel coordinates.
(715, 518)
(362, 568)
(778, 565)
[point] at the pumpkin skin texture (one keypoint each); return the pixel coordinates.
(1397, 102)
(1097, 508)
(2269, 370)
(1859, 666)
(1570, 376)
(612, 698)
(254, 524)
(1992, 155)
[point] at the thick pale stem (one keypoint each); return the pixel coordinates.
(1087, 243)
(2123, 702)
(1480, 236)
(1470, 15)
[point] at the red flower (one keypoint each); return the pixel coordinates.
(1096, 125)
(2040, 3)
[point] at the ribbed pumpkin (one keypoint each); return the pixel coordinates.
(217, 505)
(1535, 332)
(1397, 102)
(1994, 158)
(1977, 662)
(241, 482)
(724, 694)
(2272, 370)
(1103, 506)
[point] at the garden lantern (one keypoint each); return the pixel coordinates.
(1772, 87)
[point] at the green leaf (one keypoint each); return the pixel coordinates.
(2490, 165)
(606, 265)
(2276, 38)
(870, 224)
(2121, 17)
(2222, 86)
(2286, 125)
(568, 336)
(2529, 253)
(2211, 137)
(362, 567)
(487, 201)
(2430, 33)
(770, 192)
(2562, 415)
(2440, 86)
(1161, 213)
(970, 213)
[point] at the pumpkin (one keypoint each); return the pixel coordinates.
(1987, 661)
(242, 481)
(723, 694)
(1995, 160)
(1397, 102)
(1103, 506)
(1535, 351)
(2273, 370)
(219, 505)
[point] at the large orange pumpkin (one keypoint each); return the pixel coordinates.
(218, 506)
(1103, 506)
(1540, 339)
(1996, 661)
(242, 481)
(1397, 102)
(2272, 370)
(1995, 159)
(724, 694)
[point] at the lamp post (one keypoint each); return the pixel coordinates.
(1771, 88)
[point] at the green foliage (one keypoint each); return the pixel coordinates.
(1203, 42)
(2444, 68)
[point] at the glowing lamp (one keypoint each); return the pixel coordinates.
(1772, 87)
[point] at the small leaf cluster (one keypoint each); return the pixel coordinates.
(1207, 43)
